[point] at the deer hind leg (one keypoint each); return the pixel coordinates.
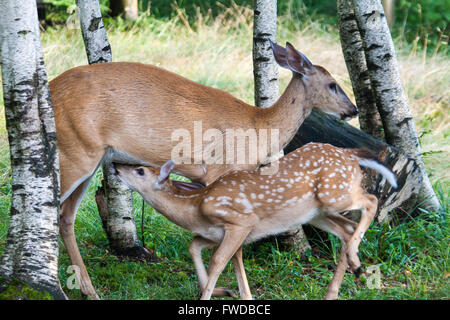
(232, 241)
(68, 212)
(244, 289)
(343, 228)
(368, 211)
(195, 249)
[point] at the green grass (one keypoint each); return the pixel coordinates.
(413, 254)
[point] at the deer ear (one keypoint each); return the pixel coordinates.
(297, 61)
(280, 54)
(165, 171)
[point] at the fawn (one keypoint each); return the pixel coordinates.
(314, 185)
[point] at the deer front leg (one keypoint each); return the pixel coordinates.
(68, 211)
(232, 240)
(195, 249)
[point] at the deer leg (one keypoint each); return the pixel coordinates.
(343, 228)
(232, 240)
(195, 249)
(68, 212)
(367, 214)
(244, 289)
(335, 284)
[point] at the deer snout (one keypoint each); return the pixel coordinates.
(351, 113)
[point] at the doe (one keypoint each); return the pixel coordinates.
(315, 184)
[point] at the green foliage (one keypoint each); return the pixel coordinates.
(423, 21)
(60, 10)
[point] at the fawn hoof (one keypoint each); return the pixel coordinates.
(357, 272)
(223, 292)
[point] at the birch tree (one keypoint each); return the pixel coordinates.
(265, 72)
(117, 210)
(265, 68)
(129, 8)
(353, 50)
(31, 250)
(398, 123)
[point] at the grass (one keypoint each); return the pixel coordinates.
(413, 254)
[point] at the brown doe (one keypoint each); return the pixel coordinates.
(315, 184)
(128, 112)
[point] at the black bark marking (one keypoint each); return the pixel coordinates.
(95, 22)
(24, 32)
(350, 17)
(386, 57)
(406, 120)
(262, 59)
(372, 66)
(373, 46)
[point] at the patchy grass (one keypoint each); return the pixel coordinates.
(413, 255)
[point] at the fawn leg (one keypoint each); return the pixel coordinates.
(244, 289)
(232, 240)
(367, 214)
(195, 249)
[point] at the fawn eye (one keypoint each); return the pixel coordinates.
(140, 171)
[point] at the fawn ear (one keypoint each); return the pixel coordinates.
(165, 171)
(280, 54)
(297, 61)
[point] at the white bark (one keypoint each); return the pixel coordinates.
(31, 251)
(131, 9)
(353, 50)
(389, 8)
(398, 123)
(265, 69)
(265, 72)
(94, 34)
(118, 218)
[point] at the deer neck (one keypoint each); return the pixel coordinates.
(181, 209)
(288, 112)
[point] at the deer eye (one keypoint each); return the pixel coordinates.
(140, 171)
(333, 87)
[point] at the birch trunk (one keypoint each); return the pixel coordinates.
(389, 8)
(129, 8)
(352, 48)
(265, 69)
(118, 218)
(31, 250)
(265, 72)
(398, 123)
